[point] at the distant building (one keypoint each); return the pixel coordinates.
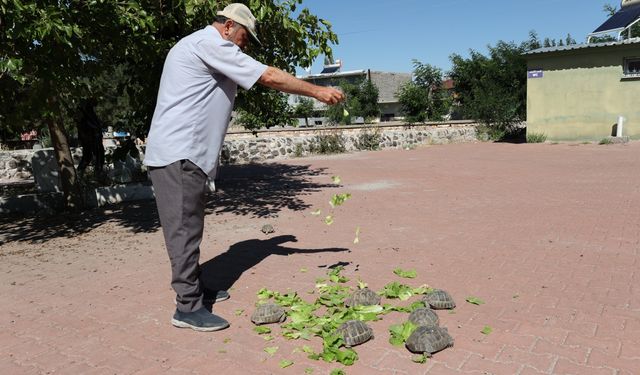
(387, 83)
(578, 92)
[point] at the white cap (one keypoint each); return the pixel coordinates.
(242, 15)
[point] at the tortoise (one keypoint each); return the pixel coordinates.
(362, 297)
(428, 340)
(355, 332)
(267, 228)
(424, 316)
(439, 299)
(268, 313)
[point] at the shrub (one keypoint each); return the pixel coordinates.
(328, 143)
(299, 150)
(369, 139)
(490, 133)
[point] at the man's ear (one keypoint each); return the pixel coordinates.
(228, 25)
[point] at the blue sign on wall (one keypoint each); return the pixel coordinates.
(535, 73)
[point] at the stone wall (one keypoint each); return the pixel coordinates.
(245, 147)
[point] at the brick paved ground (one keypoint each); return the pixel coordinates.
(547, 235)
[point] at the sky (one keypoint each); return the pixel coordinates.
(386, 35)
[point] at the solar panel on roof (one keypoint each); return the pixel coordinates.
(623, 18)
(330, 69)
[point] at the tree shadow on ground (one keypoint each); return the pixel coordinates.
(222, 271)
(255, 190)
(262, 190)
(137, 217)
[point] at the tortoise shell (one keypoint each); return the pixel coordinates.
(429, 340)
(267, 228)
(355, 332)
(268, 313)
(363, 297)
(439, 299)
(424, 316)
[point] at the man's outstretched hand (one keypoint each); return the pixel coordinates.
(329, 95)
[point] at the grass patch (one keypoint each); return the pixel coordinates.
(605, 141)
(536, 137)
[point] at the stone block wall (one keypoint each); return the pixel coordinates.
(245, 147)
(242, 147)
(15, 165)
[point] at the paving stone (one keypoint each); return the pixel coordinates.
(564, 366)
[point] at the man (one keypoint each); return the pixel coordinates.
(197, 91)
(90, 137)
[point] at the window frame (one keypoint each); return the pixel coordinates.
(625, 67)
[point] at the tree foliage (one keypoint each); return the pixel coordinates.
(304, 109)
(424, 98)
(55, 53)
(361, 101)
(492, 89)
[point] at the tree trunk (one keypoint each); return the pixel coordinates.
(71, 189)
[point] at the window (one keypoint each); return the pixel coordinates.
(632, 67)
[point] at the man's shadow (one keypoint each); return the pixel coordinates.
(221, 272)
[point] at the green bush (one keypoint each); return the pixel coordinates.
(369, 139)
(536, 137)
(328, 143)
(490, 133)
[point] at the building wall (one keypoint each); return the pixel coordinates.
(582, 93)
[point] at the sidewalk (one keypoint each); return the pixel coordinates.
(547, 235)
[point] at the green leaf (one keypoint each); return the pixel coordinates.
(336, 179)
(285, 363)
(409, 274)
(397, 290)
(475, 300)
(262, 330)
(339, 199)
(337, 371)
(486, 330)
(226, 340)
(401, 332)
(420, 358)
(238, 312)
(328, 220)
(308, 370)
(271, 349)
(265, 293)
(303, 270)
(423, 289)
(267, 337)
(316, 212)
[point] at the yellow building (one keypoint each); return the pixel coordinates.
(579, 92)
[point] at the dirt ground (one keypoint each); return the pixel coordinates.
(547, 235)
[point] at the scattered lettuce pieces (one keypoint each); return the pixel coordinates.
(474, 300)
(401, 332)
(409, 274)
(271, 349)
